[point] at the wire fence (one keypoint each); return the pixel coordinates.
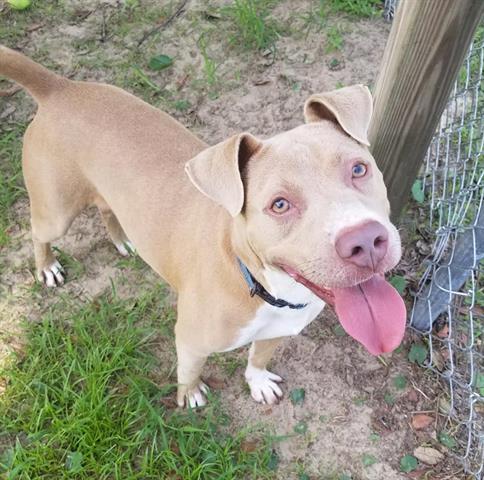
(448, 307)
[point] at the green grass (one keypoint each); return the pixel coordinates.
(85, 401)
(209, 64)
(11, 183)
(254, 28)
(357, 8)
(334, 39)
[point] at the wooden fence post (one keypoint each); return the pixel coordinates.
(427, 45)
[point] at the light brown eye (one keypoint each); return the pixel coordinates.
(280, 205)
(358, 170)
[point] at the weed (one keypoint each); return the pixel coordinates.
(82, 404)
(316, 17)
(334, 39)
(255, 30)
(357, 8)
(229, 363)
(72, 265)
(209, 65)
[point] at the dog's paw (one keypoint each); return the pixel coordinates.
(263, 385)
(125, 248)
(192, 397)
(52, 275)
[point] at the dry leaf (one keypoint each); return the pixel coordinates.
(443, 332)
(214, 382)
(421, 421)
(248, 446)
(428, 455)
(412, 396)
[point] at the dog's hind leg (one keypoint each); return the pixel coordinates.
(263, 384)
(115, 230)
(57, 193)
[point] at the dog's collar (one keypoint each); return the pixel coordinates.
(255, 288)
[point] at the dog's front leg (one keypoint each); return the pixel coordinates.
(263, 384)
(190, 386)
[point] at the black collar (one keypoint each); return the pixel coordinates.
(255, 288)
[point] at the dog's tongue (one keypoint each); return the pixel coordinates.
(373, 313)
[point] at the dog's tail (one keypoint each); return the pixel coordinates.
(36, 79)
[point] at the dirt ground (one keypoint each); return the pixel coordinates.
(353, 419)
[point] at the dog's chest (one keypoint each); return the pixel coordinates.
(272, 322)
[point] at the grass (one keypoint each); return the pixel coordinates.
(334, 39)
(11, 184)
(83, 401)
(356, 8)
(255, 29)
(209, 64)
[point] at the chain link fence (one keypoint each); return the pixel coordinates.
(448, 308)
(449, 305)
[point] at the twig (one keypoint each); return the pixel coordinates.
(177, 13)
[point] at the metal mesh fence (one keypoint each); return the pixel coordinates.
(448, 308)
(449, 304)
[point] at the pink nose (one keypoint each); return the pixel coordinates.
(364, 245)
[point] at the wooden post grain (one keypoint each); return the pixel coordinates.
(427, 45)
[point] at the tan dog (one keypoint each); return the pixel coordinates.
(301, 218)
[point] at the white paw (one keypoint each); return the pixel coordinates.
(263, 385)
(125, 248)
(196, 396)
(52, 276)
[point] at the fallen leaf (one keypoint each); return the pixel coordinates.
(443, 332)
(446, 440)
(412, 396)
(400, 382)
(444, 406)
(399, 283)
(421, 421)
(418, 353)
(428, 455)
(159, 62)
(215, 383)
(419, 473)
(408, 463)
(301, 427)
(19, 4)
(368, 459)
(418, 191)
(297, 396)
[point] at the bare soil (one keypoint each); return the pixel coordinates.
(354, 414)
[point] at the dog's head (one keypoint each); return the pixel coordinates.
(311, 202)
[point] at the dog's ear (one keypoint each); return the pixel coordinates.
(216, 170)
(349, 107)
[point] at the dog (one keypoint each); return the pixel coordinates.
(256, 236)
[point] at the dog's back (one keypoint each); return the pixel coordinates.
(93, 143)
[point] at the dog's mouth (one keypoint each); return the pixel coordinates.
(372, 312)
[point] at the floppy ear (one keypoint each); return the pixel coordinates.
(349, 107)
(216, 171)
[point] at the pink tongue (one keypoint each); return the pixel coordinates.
(373, 313)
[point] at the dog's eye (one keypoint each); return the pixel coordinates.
(358, 170)
(280, 205)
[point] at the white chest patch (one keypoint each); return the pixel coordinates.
(272, 322)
